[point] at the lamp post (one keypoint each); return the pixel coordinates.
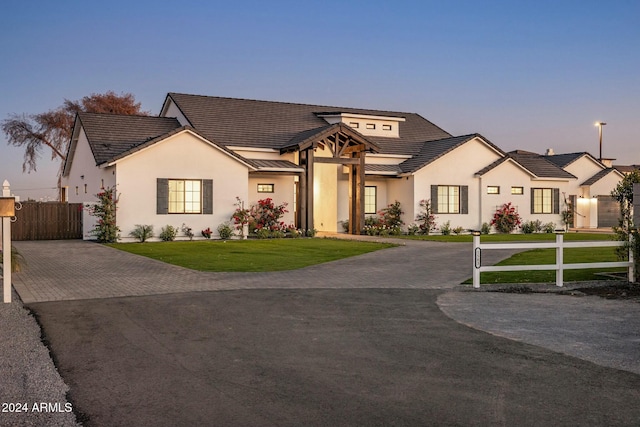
(600, 124)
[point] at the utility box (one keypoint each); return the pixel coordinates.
(7, 206)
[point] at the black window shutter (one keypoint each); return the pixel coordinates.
(207, 196)
(532, 204)
(464, 199)
(556, 200)
(434, 199)
(162, 196)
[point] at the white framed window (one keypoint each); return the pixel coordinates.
(185, 196)
(266, 188)
(448, 199)
(371, 125)
(542, 200)
(517, 191)
(493, 189)
(386, 127)
(370, 199)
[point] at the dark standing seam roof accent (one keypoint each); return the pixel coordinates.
(597, 177)
(280, 164)
(432, 150)
(110, 135)
(268, 124)
(382, 169)
(539, 165)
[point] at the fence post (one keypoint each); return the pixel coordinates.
(477, 259)
(559, 257)
(632, 262)
(6, 247)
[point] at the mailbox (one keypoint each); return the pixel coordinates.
(7, 206)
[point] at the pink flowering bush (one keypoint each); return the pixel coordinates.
(506, 219)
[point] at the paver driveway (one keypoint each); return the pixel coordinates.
(74, 269)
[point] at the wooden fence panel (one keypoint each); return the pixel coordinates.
(48, 221)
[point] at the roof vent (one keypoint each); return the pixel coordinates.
(550, 152)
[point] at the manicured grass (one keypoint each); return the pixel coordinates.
(251, 255)
(547, 256)
(536, 237)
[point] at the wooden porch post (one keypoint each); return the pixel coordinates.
(309, 193)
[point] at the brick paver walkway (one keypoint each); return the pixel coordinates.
(75, 269)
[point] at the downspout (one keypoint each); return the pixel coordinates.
(479, 202)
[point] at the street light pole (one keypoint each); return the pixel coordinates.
(600, 124)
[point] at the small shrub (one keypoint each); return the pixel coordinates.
(187, 231)
(263, 233)
(142, 232)
(18, 263)
(528, 227)
(458, 230)
(277, 234)
(311, 232)
(486, 228)
(345, 225)
(426, 219)
(549, 227)
(168, 233)
(206, 233)
(225, 231)
(445, 228)
(413, 229)
(294, 233)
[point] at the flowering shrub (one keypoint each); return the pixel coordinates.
(105, 229)
(241, 216)
(267, 215)
(388, 222)
(506, 219)
(426, 219)
(206, 233)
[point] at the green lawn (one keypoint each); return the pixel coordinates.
(251, 255)
(547, 256)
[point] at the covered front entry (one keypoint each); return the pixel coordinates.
(339, 144)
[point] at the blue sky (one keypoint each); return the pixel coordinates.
(525, 74)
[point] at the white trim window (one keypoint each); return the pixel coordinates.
(370, 199)
(185, 196)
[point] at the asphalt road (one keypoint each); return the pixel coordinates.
(316, 357)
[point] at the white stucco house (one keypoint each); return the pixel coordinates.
(329, 164)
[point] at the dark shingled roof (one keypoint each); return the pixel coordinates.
(268, 124)
(539, 165)
(432, 150)
(110, 135)
(597, 177)
(563, 160)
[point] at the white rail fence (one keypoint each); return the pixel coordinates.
(559, 265)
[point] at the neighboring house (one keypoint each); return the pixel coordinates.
(329, 164)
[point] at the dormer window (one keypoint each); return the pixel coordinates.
(372, 125)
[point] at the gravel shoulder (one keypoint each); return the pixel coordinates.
(32, 391)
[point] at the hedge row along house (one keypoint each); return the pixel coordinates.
(329, 164)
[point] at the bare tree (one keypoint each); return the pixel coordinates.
(52, 129)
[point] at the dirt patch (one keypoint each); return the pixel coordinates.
(625, 291)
